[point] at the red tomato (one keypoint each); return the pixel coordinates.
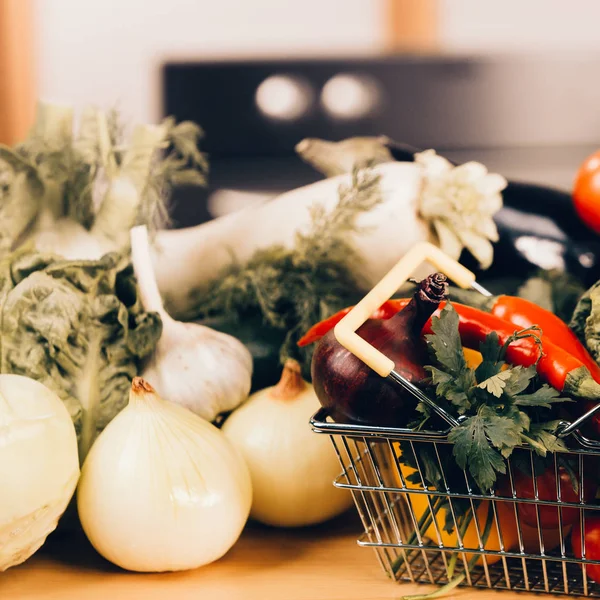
(546, 486)
(592, 543)
(586, 193)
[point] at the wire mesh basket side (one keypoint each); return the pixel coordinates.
(401, 518)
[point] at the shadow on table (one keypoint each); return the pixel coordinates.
(71, 547)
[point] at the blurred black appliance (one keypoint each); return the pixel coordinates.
(530, 118)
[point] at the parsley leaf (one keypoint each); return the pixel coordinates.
(472, 450)
(520, 378)
(490, 348)
(496, 383)
(491, 364)
(502, 404)
(543, 433)
(503, 432)
(445, 340)
(441, 379)
(454, 388)
(486, 370)
(481, 442)
(543, 397)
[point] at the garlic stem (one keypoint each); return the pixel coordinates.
(119, 208)
(137, 160)
(144, 272)
(54, 124)
(107, 156)
(291, 383)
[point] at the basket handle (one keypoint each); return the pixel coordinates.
(345, 330)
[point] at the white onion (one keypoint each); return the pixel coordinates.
(292, 468)
(162, 489)
(39, 466)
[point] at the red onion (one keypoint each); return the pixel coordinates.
(351, 391)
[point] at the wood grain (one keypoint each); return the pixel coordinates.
(318, 563)
(17, 80)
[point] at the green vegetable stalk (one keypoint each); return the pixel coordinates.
(76, 191)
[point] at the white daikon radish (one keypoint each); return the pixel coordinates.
(186, 259)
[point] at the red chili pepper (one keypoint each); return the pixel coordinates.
(316, 332)
(516, 311)
(524, 314)
(556, 365)
(559, 368)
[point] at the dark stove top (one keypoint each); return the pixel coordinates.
(531, 119)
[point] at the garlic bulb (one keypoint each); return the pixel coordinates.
(162, 489)
(292, 469)
(39, 466)
(204, 370)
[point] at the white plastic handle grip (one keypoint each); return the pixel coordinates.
(345, 330)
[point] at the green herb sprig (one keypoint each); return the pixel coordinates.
(294, 288)
(503, 406)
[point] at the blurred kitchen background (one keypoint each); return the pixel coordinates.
(513, 84)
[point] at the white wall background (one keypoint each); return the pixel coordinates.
(520, 25)
(107, 52)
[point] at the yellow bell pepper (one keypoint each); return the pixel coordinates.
(473, 358)
(420, 506)
(505, 514)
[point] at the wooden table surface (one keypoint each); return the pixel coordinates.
(319, 563)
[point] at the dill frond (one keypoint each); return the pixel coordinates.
(294, 288)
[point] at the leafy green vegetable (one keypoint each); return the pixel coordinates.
(492, 398)
(543, 433)
(79, 328)
(495, 384)
(519, 380)
(585, 321)
(490, 350)
(293, 289)
(455, 383)
(336, 158)
(445, 341)
(555, 291)
(473, 449)
(542, 397)
(96, 181)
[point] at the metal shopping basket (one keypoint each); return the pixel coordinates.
(401, 515)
